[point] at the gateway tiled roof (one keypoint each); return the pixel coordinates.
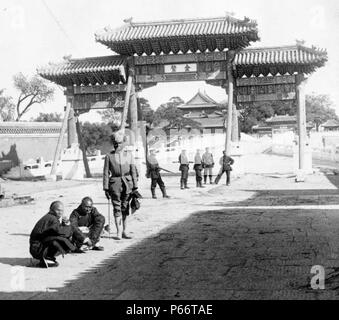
(107, 69)
(248, 62)
(289, 59)
(179, 35)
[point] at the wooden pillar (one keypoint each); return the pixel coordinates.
(71, 129)
(83, 150)
(235, 127)
(301, 115)
(126, 106)
(229, 90)
(133, 111)
(61, 137)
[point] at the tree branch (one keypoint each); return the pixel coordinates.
(27, 107)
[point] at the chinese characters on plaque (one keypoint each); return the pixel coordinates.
(180, 68)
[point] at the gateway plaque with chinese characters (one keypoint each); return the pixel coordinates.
(266, 89)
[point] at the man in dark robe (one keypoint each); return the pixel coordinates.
(86, 216)
(51, 237)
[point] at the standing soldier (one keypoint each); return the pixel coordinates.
(184, 167)
(208, 164)
(198, 168)
(153, 172)
(119, 181)
(225, 162)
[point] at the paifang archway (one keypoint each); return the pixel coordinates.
(211, 50)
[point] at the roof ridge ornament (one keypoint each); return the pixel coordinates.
(300, 42)
(67, 57)
(128, 21)
(315, 50)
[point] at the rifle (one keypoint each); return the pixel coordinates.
(162, 169)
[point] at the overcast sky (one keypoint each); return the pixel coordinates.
(35, 32)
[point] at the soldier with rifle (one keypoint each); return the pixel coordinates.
(153, 172)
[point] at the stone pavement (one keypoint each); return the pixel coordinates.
(257, 239)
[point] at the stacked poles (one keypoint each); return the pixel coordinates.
(57, 153)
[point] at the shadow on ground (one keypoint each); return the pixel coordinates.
(285, 197)
(220, 254)
(23, 262)
(223, 254)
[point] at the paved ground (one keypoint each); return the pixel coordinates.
(257, 239)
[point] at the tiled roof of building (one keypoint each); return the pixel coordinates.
(107, 69)
(29, 128)
(179, 35)
(200, 100)
(281, 118)
(288, 59)
(215, 122)
(261, 128)
(286, 119)
(330, 123)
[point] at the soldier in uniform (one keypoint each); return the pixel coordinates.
(208, 164)
(198, 168)
(184, 167)
(119, 182)
(153, 172)
(225, 162)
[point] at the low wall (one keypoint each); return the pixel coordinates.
(21, 141)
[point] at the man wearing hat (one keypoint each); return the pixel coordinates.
(119, 182)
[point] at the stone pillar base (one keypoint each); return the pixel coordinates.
(308, 162)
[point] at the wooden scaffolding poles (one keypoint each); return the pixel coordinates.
(58, 149)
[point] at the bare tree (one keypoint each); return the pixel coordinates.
(32, 91)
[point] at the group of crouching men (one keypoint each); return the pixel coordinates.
(55, 234)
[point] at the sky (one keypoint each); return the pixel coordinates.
(36, 32)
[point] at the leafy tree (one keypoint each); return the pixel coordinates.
(318, 109)
(251, 115)
(95, 135)
(31, 91)
(145, 112)
(48, 117)
(173, 116)
(7, 108)
(111, 115)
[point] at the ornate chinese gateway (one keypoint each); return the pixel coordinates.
(213, 50)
